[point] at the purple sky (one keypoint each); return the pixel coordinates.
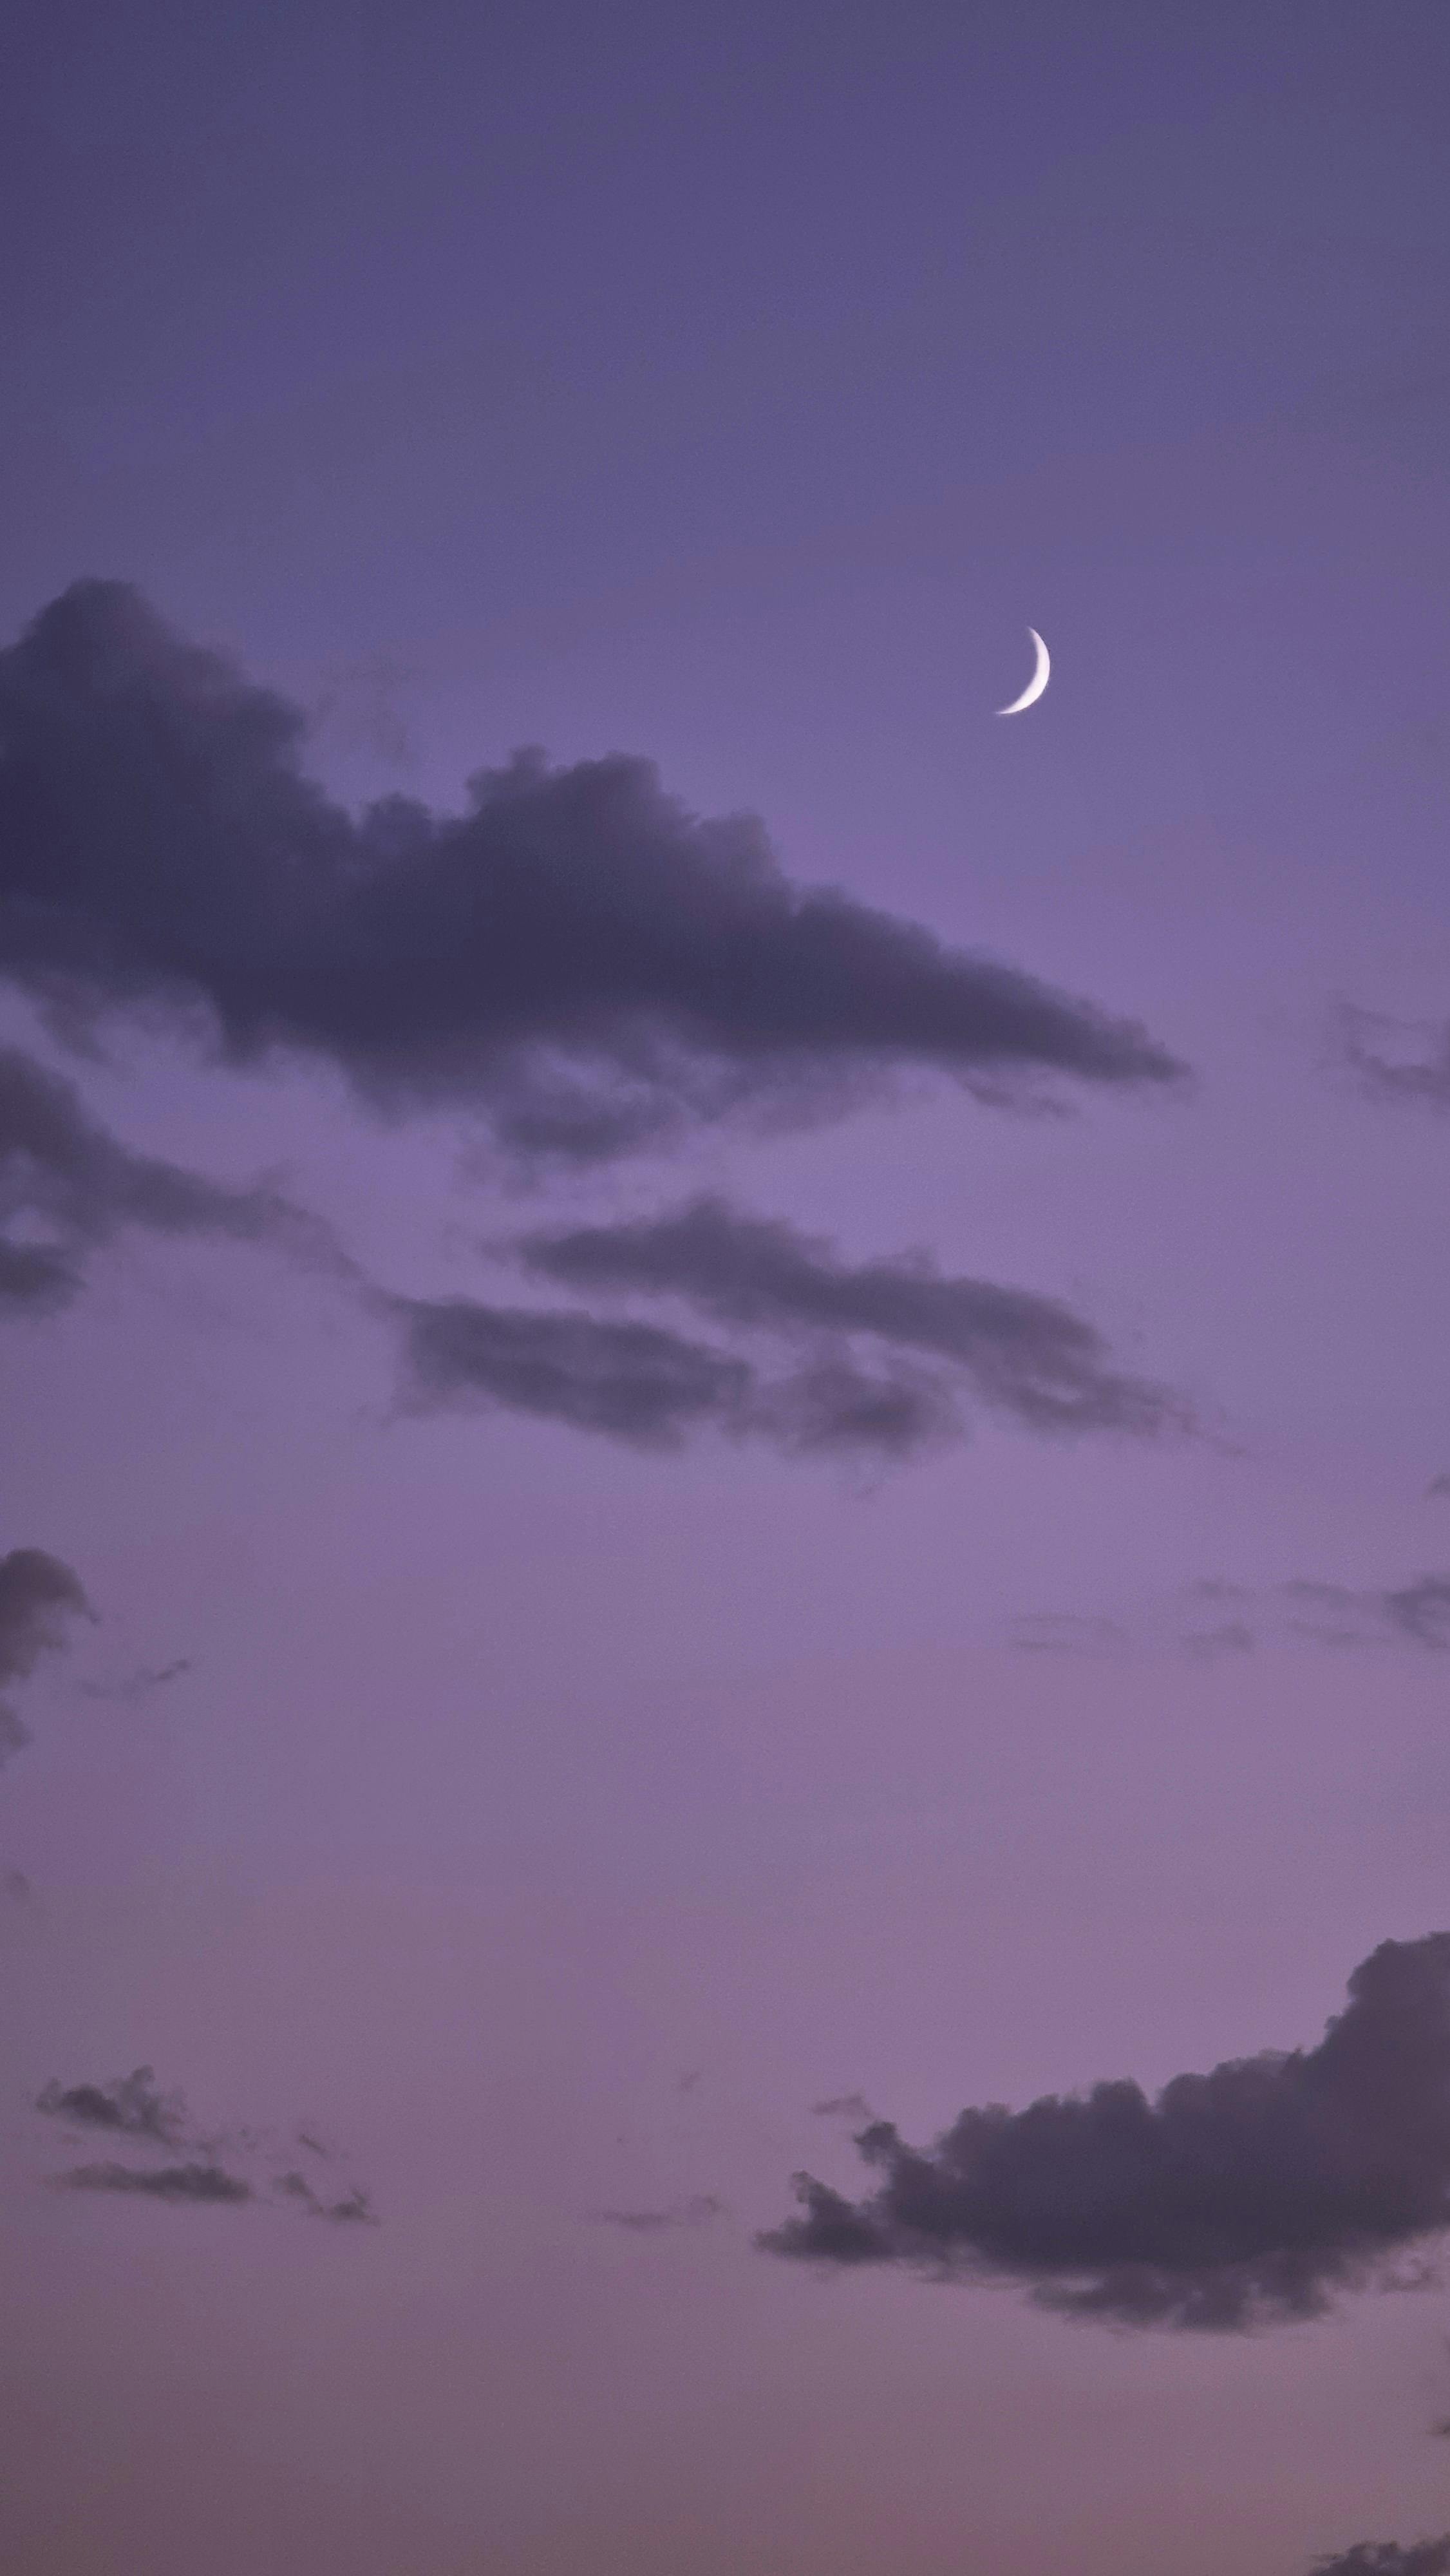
(544, 1822)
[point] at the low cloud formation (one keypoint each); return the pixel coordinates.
(38, 1593)
(1239, 2198)
(134, 2110)
(1389, 2558)
(1025, 1355)
(132, 2106)
(196, 2182)
(67, 1188)
(653, 1389)
(576, 957)
(1405, 1061)
(653, 2222)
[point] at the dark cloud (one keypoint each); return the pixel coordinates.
(1437, 1489)
(1390, 2558)
(194, 2182)
(653, 2222)
(652, 1388)
(575, 956)
(1025, 1355)
(132, 2106)
(38, 1593)
(67, 1188)
(1243, 2197)
(16, 1886)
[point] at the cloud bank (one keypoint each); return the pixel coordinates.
(1243, 2197)
(38, 1593)
(576, 957)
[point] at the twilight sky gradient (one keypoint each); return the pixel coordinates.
(724, 1466)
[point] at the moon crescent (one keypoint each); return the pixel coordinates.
(1036, 684)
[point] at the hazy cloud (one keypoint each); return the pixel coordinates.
(38, 1593)
(652, 2222)
(1304, 1611)
(1390, 2558)
(1067, 1632)
(195, 2182)
(576, 955)
(138, 1685)
(1243, 2197)
(1022, 1354)
(67, 1188)
(1396, 1060)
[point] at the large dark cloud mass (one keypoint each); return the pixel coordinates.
(66, 1188)
(37, 1595)
(1242, 2197)
(576, 955)
(1027, 1355)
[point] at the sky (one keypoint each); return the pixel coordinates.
(725, 1580)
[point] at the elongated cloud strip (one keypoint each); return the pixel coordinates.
(576, 956)
(64, 1175)
(651, 1388)
(1023, 1354)
(1242, 2197)
(38, 1593)
(193, 2182)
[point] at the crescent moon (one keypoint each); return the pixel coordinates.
(1036, 684)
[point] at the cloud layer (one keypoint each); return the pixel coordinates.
(576, 956)
(1242, 2197)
